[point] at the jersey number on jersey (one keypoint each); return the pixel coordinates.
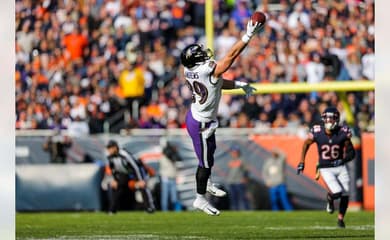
(199, 89)
(329, 152)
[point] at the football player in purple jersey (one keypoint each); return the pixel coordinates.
(203, 76)
(335, 149)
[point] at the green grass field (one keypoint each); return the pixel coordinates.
(194, 225)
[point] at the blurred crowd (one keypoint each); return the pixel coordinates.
(80, 64)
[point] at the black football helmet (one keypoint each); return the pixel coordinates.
(194, 54)
(331, 118)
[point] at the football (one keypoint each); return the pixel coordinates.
(258, 17)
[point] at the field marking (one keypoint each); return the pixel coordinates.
(360, 227)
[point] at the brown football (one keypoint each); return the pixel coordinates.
(259, 17)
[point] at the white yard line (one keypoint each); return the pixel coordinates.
(361, 227)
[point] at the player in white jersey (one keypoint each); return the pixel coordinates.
(203, 77)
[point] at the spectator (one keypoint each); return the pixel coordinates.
(368, 64)
(236, 179)
(315, 71)
(168, 173)
(241, 121)
(78, 127)
(241, 14)
(298, 16)
(251, 107)
(47, 42)
(25, 38)
(131, 81)
(75, 43)
(353, 66)
(224, 42)
(57, 146)
(275, 179)
(280, 120)
(95, 120)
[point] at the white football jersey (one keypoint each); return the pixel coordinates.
(206, 91)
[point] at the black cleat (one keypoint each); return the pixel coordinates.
(330, 206)
(150, 210)
(340, 223)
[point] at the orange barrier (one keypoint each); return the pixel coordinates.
(368, 160)
(292, 147)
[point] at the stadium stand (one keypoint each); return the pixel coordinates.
(72, 58)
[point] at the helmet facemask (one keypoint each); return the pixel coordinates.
(330, 119)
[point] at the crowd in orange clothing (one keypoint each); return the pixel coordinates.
(80, 63)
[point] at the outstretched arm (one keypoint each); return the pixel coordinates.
(224, 64)
(229, 84)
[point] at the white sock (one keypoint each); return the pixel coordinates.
(200, 196)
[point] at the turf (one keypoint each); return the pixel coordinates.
(194, 225)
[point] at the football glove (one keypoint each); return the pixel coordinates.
(300, 167)
(338, 162)
(248, 89)
(252, 28)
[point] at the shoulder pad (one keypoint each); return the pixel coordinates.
(212, 64)
(316, 128)
(346, 130)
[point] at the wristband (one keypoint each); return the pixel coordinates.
(245, 38)
(238, 84)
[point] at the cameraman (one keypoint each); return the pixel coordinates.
(57, 146)
(168, 173)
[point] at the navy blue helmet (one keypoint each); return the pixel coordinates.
(331, 118)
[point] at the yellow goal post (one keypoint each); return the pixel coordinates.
(341, 87)
(336, 86)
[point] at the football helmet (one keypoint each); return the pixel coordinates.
(331, 118)
(194, 54)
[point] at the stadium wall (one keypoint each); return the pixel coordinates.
(58, 187)
(304, 191)
(368, 159)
